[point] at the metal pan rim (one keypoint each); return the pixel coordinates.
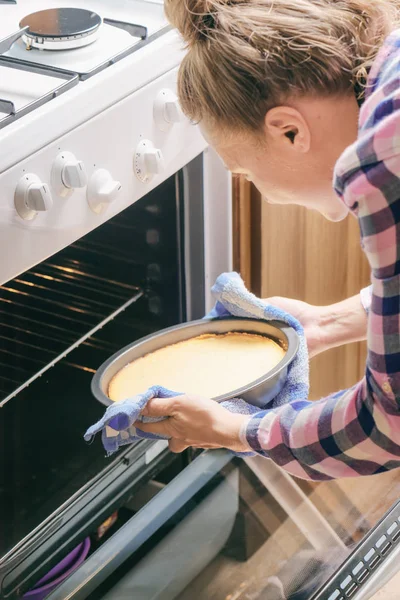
(198, 328)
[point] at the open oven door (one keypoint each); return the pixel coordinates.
(226, 527)
(200, 505)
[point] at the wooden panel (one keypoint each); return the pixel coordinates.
(242, 228)
(305, 256)
(283, 240)
(288, 251)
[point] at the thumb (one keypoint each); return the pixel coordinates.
(177, 446)
(159, 407)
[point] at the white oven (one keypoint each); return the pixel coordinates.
(73, 162)
(115, 220)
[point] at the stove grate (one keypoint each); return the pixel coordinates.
(70, 78)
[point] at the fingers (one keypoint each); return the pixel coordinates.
(177, 446)
(158, 428)
(160, 407)
(205, 446)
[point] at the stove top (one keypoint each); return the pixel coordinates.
(53, 45)
(149, 13)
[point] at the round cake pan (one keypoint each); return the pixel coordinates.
(259, 392)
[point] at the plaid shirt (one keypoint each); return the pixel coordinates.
(357, 431)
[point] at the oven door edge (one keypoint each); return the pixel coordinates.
(142, 526)
(205, 187)
(92, 504)
(218, 234)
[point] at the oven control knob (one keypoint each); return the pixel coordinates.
(148, 161)
(32, 196)
(167, 110)
(102, 190)
(68, 173)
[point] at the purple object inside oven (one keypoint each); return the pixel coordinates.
(60, 572)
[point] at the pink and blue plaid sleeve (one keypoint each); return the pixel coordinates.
(357, 431)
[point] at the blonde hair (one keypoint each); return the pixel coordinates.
(246, 56)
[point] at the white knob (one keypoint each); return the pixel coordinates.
(102, 190)
(148, 161)
(32, 196)
(167, 110)
(173, 112)
(74, 175)
(153, 161)
(38, 197)
(68, 173)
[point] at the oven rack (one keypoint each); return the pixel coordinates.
(56, 306)
(61, 304)
(71, 78)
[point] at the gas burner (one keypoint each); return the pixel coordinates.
(60, 28)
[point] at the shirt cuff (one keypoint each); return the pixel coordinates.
(366, 297)
(250, 431)
(243, 432)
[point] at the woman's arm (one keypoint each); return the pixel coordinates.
(327, 327)
(355, 432)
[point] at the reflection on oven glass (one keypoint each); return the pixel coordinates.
(252, 533)
(281, 556)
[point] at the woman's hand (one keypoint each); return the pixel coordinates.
(310, 318)
(202, 423)
(327, 327)
(194, 421)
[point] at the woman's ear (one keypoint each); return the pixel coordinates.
(287, 126)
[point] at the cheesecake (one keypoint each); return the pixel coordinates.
(209, 365)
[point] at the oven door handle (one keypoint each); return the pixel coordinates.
(141, 526)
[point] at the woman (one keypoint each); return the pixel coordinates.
(277, 87)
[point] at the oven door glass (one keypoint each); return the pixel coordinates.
(245, 530)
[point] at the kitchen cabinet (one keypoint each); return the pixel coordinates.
(289, 251)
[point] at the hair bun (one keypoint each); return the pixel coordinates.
(194, 19)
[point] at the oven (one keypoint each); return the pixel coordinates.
(140, 271)
(115, 219)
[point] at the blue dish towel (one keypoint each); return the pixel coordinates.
(232, 299)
